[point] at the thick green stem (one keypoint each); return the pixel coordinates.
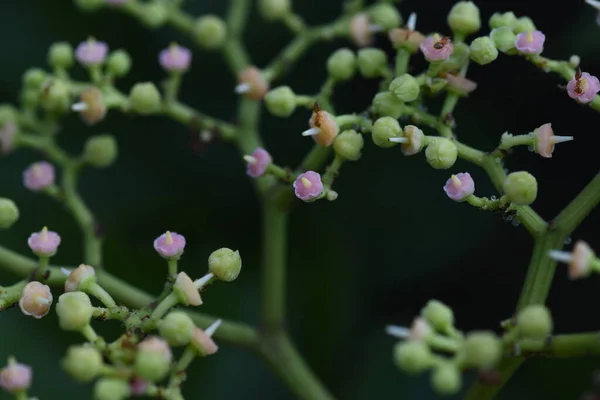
(579, 208)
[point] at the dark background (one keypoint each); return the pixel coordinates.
(373, 257)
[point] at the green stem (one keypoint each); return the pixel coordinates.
(163, 307)
(315, 158)
(195, 119)
(402, 61)
(573, 214)
(564, 346)
(172, 267)
(274, 263)
(98, 292)
(89, 333)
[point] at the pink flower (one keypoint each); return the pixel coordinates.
(308, 186)
(459, 186)
(91, 52)
(15, 377)
(436, 48)
(35, 300)
(169, 245)
(460, 84)
(258, 162)
(138, 387)
(175, 58)
(38, 176)
(545, 139)
(583, 87)
(530, 42)
(44, 243)
(7, 137)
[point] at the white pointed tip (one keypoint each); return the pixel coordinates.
(211, 329)
(65, 271)
(561, 256)
(399, 332)
(200, 283)
(250, 160)
(311, 132)
(593, 3)
(42, 300)
(412, 21)
(561, 139)
(398, 140)
(373, 28)
(78, 107)
(242, 88)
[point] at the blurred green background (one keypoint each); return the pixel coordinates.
(373, 257)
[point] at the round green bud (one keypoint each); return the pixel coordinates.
(9, 213)
(144, 98)
(83, 363)
(281, 101)
(209, 32)
(371, 62)
(33, 78)
(502, 19)
(483, 50)
(74, 310)
(118, 63)
(413, 357)
(387, 105)
(153, 359)
(7, 114)
(56, 97)
(385, 16)
(534, 322)
(405, 88)
(384, 129)
(225, 264)
(348, 145)
(446, 379)
(29, 97)
(341, 64)
(521, 188)
(439, 315)
(89, 5)
(177, 328)
(60, 55)
(154, 15)
(101, 151)
(441, 153)
(482, 350)
(504, 38)
(464, 18)
(523, 24)
(273, 10)
(458, 59)
(111, 389)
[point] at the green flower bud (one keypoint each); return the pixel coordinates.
(405, 88)
(225, 264)
(273, 10)
(83, 363)
(348, 145)
(281, 101)
(439, 315)
(144, 98)
(60, 55)
(383, 129)
(111, 389)
(209, 32)
(372, 62)
(385, 15)
(29, 97)
(74, 310)
(464, 18)
(118, 63)
(100, 151)
(154, 15)
(502, 19)
(33, 78)
(177, 328)
(458, 59)
(534, 322)
(89, 5)
(482, 350)
(483, 50)
(441, 153)
(9, 213)
(413, 357)
(446, 379)
(56, 96)
(7, 114)
(341, 64)
(387, 105)
(523, 24)
(153, 359)
(504, 38)
(521, 188)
